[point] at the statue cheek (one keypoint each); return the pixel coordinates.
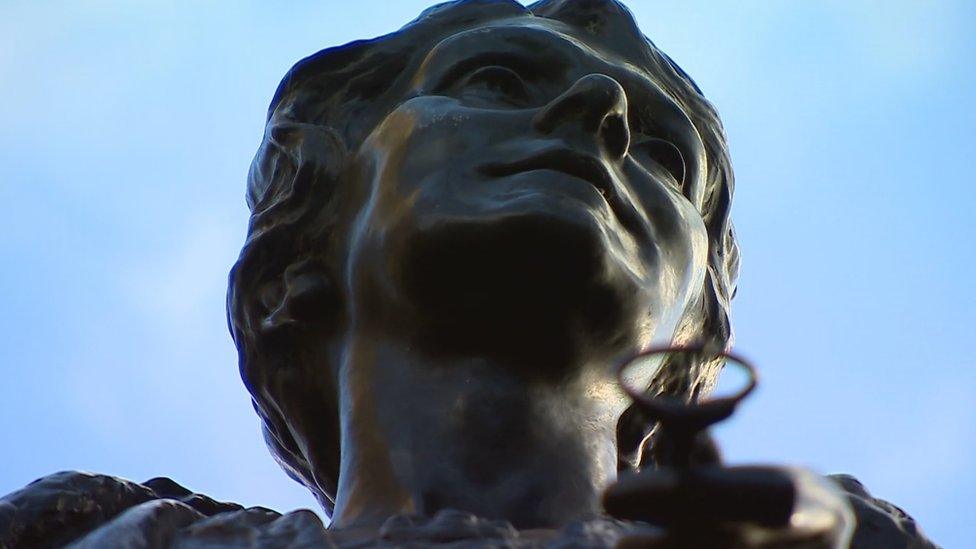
(688, 253)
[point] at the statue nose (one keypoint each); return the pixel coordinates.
(595, 104)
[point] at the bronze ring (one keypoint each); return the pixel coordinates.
(674, 411)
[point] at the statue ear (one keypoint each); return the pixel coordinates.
(283, 295)
(303, 298)
(291, 186)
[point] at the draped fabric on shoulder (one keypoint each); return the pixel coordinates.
(94, 511)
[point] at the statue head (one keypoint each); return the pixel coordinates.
(511, 196)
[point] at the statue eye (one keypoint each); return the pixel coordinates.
(664, 153)
(497, 79)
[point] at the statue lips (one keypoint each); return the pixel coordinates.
(581, 166)
(567, 161)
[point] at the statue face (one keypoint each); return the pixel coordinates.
(480, 213)
(529, 200)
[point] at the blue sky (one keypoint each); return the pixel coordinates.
(128, 129)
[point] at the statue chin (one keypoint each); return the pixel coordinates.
(545, 286)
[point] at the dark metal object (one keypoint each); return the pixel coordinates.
(682, 424)
(694, 494)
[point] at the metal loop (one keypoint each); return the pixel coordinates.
(676, 415)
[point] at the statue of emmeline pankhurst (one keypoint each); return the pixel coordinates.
(458, 232)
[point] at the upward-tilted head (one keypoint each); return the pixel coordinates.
(457, 231)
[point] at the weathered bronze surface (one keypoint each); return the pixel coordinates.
(458, 232)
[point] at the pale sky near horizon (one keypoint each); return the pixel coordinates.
(128, 128)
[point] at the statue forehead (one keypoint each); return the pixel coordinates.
(549, 48)
(547, 43)
(602, 28)
(351, 88)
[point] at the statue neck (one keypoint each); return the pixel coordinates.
(420, 435)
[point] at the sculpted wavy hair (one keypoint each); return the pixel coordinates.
(284, 304)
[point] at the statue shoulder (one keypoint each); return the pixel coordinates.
(92, 510)
(880, 524)
(89, 510)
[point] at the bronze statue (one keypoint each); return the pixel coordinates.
(459, 231)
